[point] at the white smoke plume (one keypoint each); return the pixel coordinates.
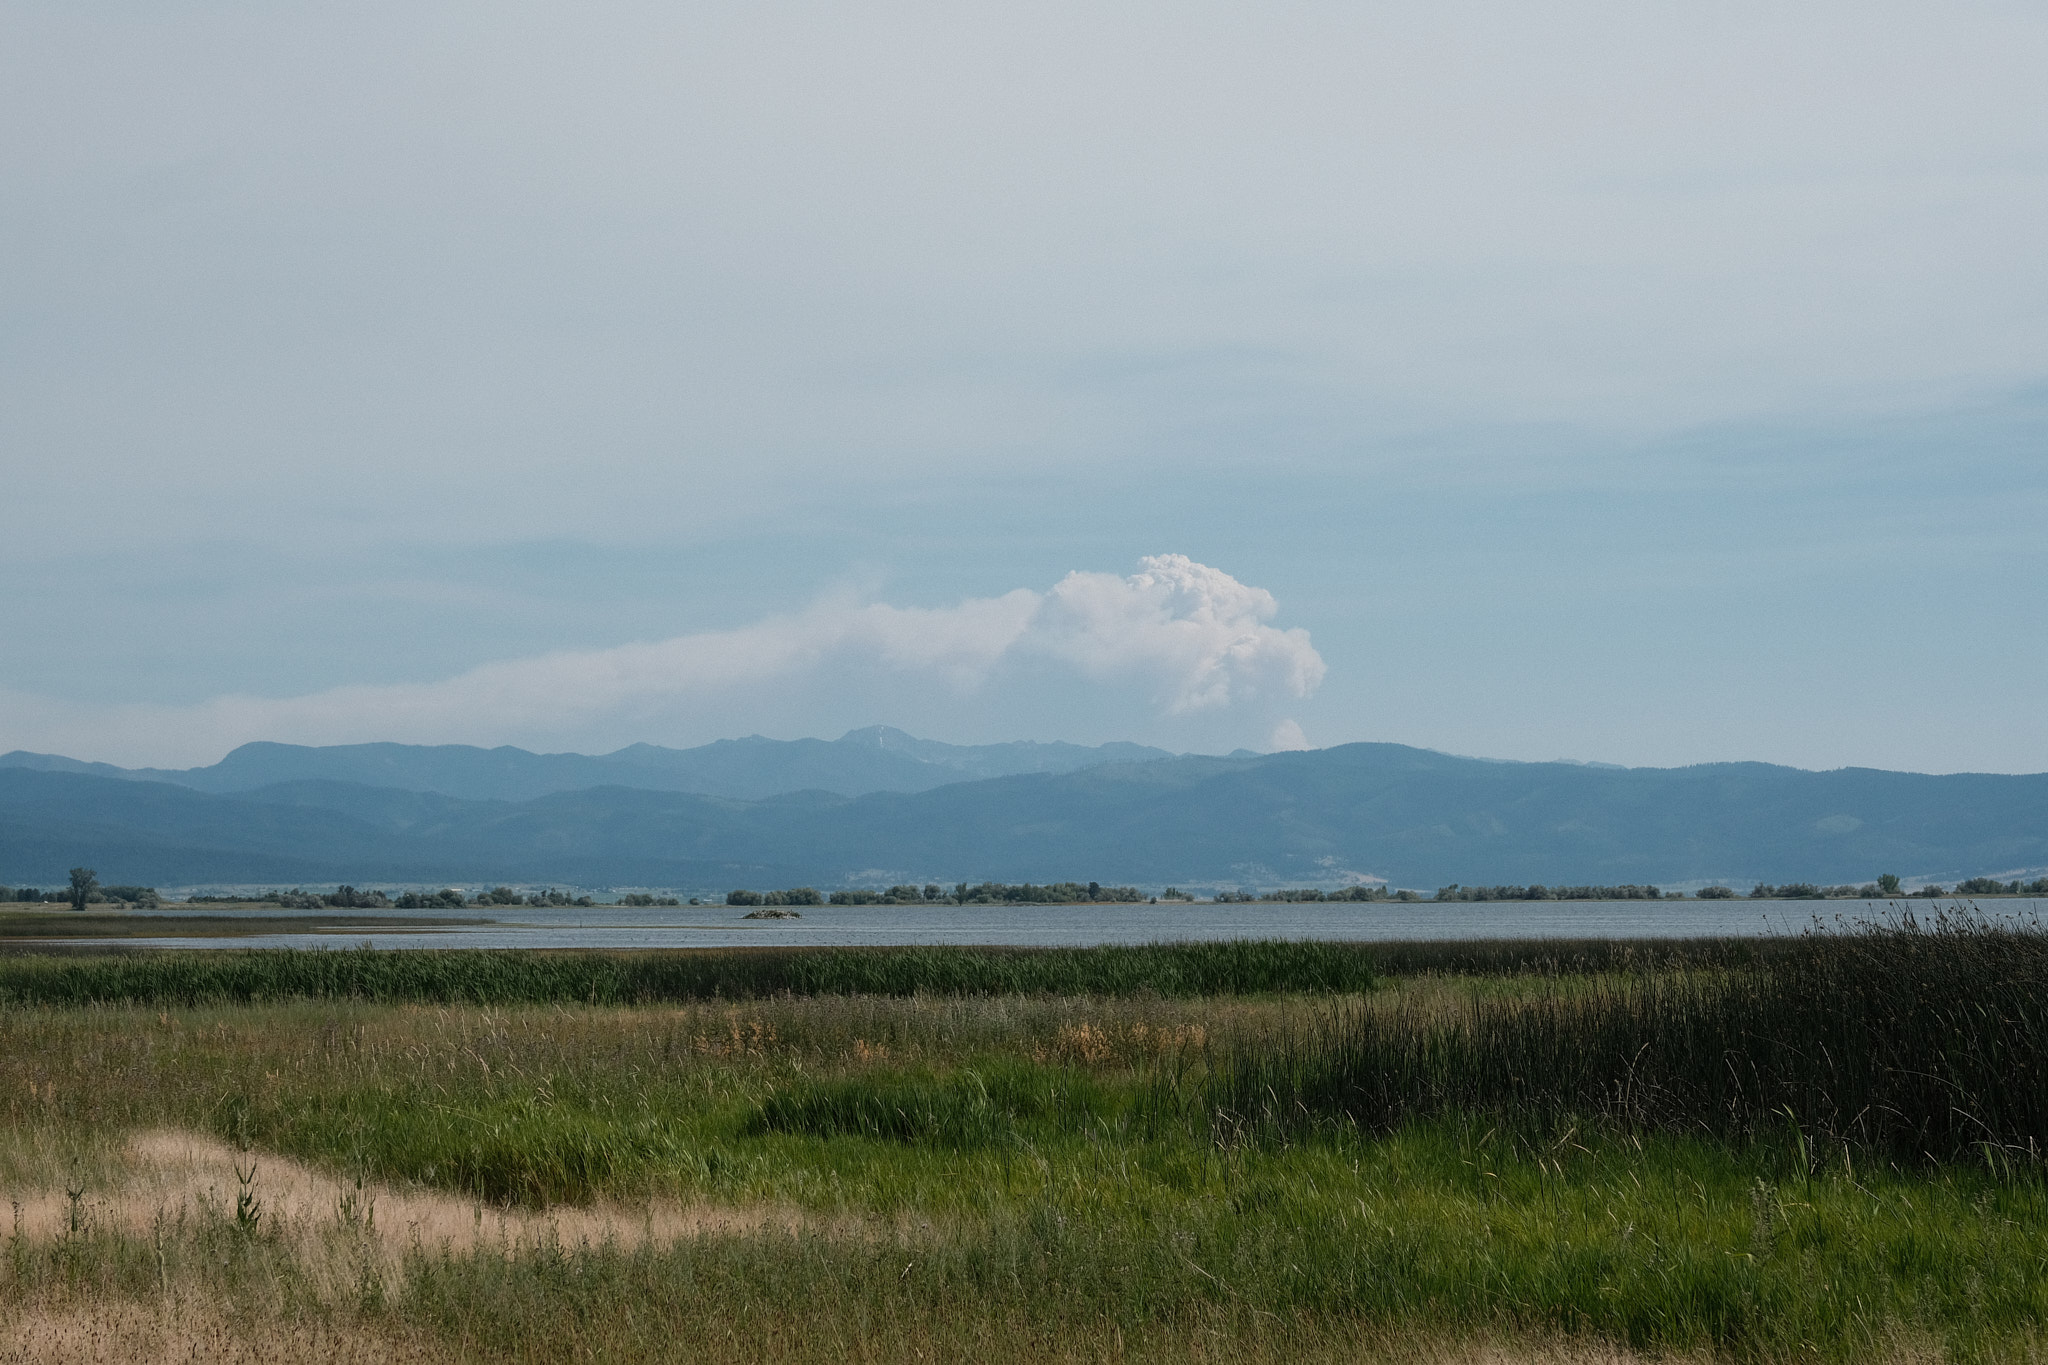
(1198, 632)
(1188, 638)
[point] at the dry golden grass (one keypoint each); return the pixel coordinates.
(192, 1329)
(118, 1333)
(166, 1176)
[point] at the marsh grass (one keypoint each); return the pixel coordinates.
(505, 977)
(1045, 1176)
(1436, 1233)
(547, 1104)
(993, 1102)
(1910, 1041)
(799, 1333)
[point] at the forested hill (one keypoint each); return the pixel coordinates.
(1411, 816)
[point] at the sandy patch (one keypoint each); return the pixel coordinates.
(173, 1174)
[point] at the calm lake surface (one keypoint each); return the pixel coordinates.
(717, 926)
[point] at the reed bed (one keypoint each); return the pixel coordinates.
(1920, 1042)
(1570, 957)
(508, 977)
(515, 977)
(58, 974)
(1737, 1153)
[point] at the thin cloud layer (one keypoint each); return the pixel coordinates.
(1183, 638)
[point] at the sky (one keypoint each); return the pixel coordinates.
(1644, 384)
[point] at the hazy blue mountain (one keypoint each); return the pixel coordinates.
(57, 763)
(1414, 817)
(313, 832)
(875, 759)
(999, 760)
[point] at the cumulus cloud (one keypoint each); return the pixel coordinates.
(1183, 638)
(1200, 633)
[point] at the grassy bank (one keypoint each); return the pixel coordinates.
(1025, 1174)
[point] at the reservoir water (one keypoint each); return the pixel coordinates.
(720, 926)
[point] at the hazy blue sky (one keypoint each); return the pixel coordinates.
(1643, 383)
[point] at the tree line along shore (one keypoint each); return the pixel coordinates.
(85, 889)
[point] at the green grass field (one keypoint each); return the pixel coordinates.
(1809, 1149)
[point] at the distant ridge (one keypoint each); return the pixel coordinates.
(875, 759)
(1318, 817)
(1002, 760)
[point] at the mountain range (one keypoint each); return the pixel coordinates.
(1412, 817)
(876, 759)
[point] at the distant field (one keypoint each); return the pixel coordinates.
(1491, 1152)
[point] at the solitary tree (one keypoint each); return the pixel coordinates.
(83, 880)
(1888, 884)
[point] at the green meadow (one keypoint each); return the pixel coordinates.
(1821, 1148)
